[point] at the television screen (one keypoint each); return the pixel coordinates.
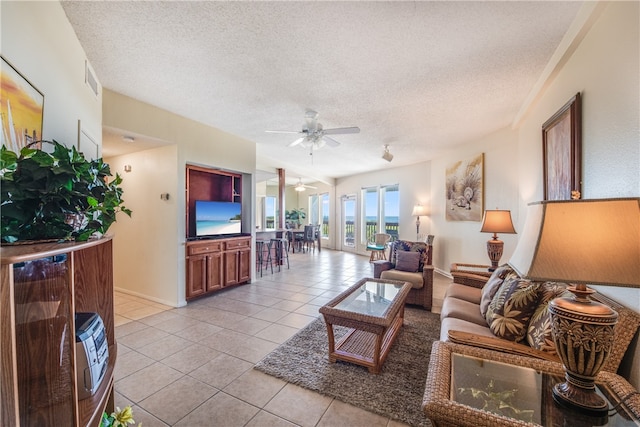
(218, 218)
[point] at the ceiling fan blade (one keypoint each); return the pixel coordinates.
(296, 142)
(310, 186)
(332, 142)
(336, 131)
(284, 131)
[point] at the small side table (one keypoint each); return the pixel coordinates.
(469, 386)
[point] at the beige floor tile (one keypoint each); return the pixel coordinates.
(142, 312)
(164, 316)
(342, 414)
(146, 419)
(164, 347)
(190, 358)
(120, 320)
(177, 324)
(198, 331)
(296, 320)
(265, 419)
(147, 381)
(308, 310)
(220, 410)
(253, 349)
(277, 333)
(178, 399)
(130, 362)
(270, 314)
(221, 371)
(255, 387)
(142, 337)
(250, 325)
(288, 305)
(129, 328)
(299, 405)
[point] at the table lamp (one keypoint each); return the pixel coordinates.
(497, 221)
(581, 242)
(418, 211)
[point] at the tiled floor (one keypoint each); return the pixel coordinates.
(192, 366)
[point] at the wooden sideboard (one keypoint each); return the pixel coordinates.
(42, 287)
(214, 264)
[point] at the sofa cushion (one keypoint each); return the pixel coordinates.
(511, 308)
(415, 279)
(463, 292)
(493, 284)
(408, 261)
(452, 324)
(461, 309)
(403, 245)
(539, 335)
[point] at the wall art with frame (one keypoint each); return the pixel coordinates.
(465, 189)
(562, 152)
(21, 109)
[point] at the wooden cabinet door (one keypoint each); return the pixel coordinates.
(197, 275)
(231, 265)
(214, 268)
(244, 269)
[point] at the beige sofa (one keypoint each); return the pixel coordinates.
(476, 292)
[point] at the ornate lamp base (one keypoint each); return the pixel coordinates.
(583, 334)
(494, 250)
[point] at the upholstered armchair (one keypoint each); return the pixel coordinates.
(410, 262)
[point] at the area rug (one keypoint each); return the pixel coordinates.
(395, 393)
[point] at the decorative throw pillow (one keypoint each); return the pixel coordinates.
(511, 308)
(492, 286)
(408, 261)
(403, 245)
(539, 333)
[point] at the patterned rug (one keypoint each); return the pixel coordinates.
(395, 393)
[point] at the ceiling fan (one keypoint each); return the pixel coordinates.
(314, 136)
(301, 187)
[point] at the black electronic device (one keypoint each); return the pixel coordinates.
(92, 353)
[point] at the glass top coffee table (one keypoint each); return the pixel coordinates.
(469, 386)
(373, 310)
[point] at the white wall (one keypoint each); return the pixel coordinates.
(605, 68)
(145, 249)
(38, 40)
(414, 183)
(195, 143)
(461, 241)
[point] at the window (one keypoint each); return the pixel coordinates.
(380, 211)
(314, 210)
(270, 212)
(370, 214)
(390, 215)
(324, 214)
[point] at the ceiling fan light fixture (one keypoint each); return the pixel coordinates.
(387, 155)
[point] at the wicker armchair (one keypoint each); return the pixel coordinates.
(422, 291)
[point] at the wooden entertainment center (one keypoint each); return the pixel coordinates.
(214, 262)
(43, 287)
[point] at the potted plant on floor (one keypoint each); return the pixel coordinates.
(56, 196)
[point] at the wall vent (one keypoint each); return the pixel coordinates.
(90, 78)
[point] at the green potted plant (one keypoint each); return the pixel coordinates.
(56, 196)
(295, 216)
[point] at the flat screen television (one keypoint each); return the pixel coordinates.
(218, 218)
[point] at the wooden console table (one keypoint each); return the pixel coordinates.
(42, 287)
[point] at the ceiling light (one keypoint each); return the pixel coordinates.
(387, 155)
(299, 186)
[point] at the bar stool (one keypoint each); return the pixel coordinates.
(280, 245)
(263, 246)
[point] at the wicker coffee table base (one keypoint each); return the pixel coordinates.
(363, 347)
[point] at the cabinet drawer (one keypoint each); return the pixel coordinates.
(204, 248)
(237, 244)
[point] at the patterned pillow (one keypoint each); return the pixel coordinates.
(408, 261)
(511, 308)
(539, 334)
(492, 286)
(403, 245)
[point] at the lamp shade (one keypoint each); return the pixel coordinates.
(497, 221)
(419, 210)
(581, 241)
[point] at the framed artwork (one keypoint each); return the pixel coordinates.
(561, 152)
(21, 109)
(465, 189)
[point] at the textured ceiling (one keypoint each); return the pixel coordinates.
(422, 77)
